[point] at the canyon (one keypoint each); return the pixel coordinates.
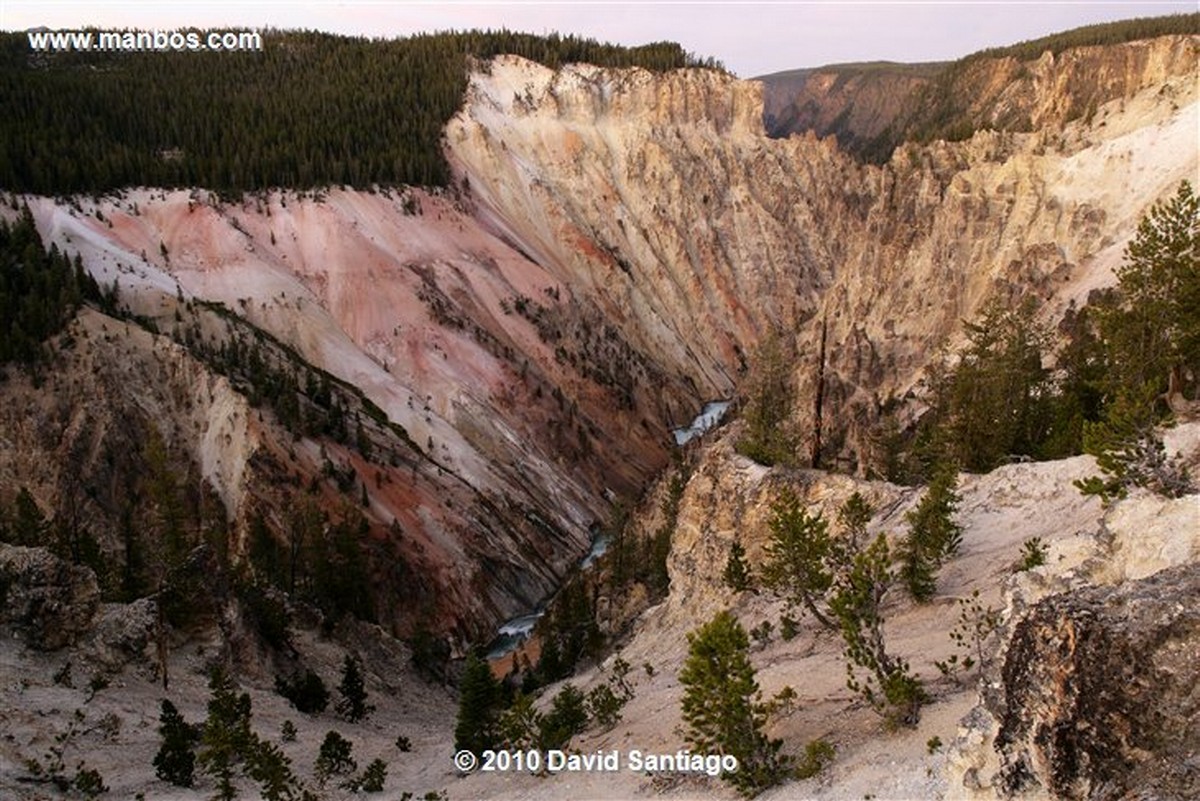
(517, 349)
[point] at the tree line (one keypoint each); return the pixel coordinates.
(310, 109)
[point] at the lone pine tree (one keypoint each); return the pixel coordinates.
(353, 704)
(175, 761)
(723, 707)
(478, 702)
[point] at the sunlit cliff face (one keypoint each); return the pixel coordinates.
(661, 196)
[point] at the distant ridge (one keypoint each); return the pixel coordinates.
(872, 107)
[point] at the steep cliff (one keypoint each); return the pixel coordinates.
(662, 197)
(501, 412)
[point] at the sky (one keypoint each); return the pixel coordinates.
(751, 38)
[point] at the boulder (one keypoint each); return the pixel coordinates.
(45, 600)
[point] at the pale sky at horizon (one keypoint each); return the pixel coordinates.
(751, 38)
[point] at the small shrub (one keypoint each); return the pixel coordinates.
(603, 706)
(288, 732)
(96, 683)
(1033, 554)
(403, 744)
(566, 718)
(817, 754)
(788, 628)
(933, 745)
(737, 573)
(520, 725)
(371, 779)
(933, 535)
(974, 625)
(784, 702)
(762, 632)
(89, 783)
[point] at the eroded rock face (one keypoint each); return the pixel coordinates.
(48, 602)
(662, 198)
(1099, 693)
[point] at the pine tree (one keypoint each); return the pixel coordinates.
(29, 525)
(737, 573)
(270, 767)
(889, 687)
(305, 690)
(995, 402)
(520, 725)
(1155, 326)
(722, 705)
(372, 778)
(853, 516)
(1151, 335)
(226, 740)
(770, 401)
(799, 555)
(566, 718)
(478, 702)
(175, 761)
(1130, 453)
(353, 704)
(335, 758)
(933, 535)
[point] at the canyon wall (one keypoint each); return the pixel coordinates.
(662, 197)
(614, 247)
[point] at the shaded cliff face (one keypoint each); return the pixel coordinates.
(855, 103)
(662, 197)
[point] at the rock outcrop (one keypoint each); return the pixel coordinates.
(1098, 693)
(1090, 692)
(47, 602)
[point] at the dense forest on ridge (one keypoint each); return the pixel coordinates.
(309, 109)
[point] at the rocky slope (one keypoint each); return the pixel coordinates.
(1118, 549)
(1138, 555)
